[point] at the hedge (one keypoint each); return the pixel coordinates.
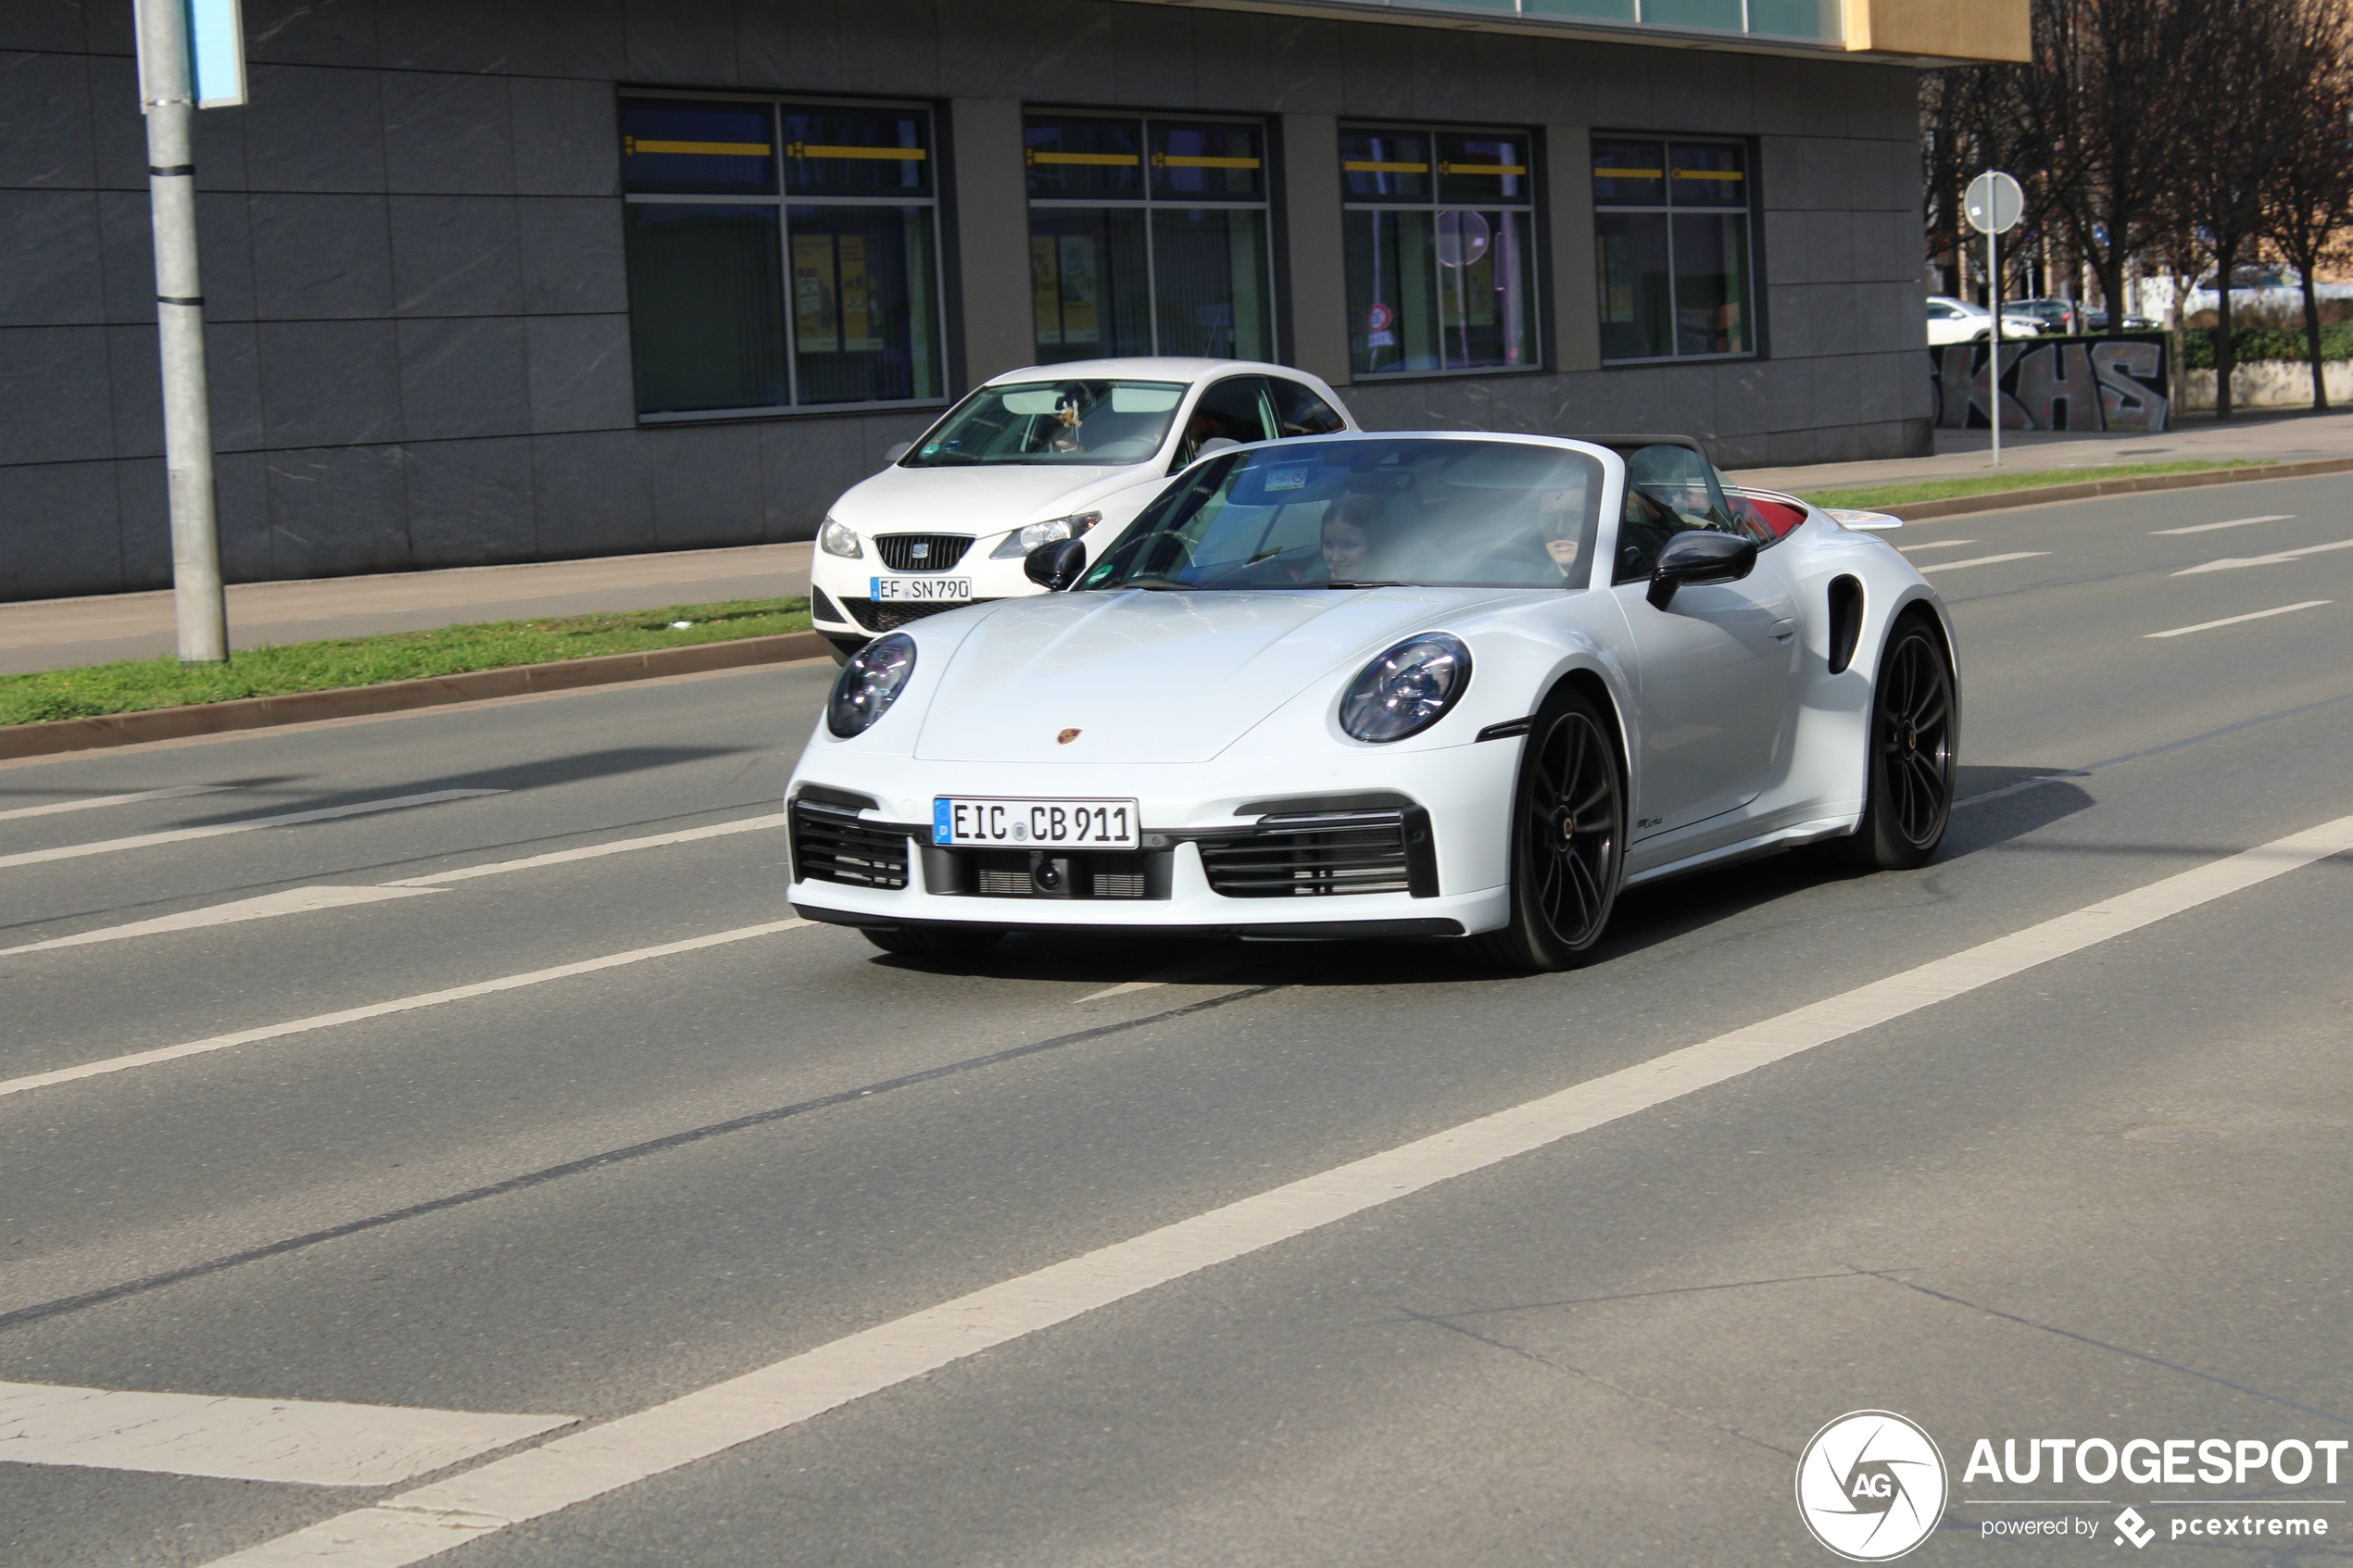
(2265, 343)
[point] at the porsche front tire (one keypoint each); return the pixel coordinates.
(1568, 839)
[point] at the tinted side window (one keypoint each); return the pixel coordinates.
(1236, 408)
(1300, 412)
(1642, 531)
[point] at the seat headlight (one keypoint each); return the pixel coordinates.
(1407, 689)
(1021, 541)
(869, 684)
(840, 539)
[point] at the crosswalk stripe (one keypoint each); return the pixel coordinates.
(305, 1442)
(537, 1482)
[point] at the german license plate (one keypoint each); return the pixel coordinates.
(919, 590)
(993, 822)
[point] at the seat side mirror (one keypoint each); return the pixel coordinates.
(892, 454)
(1700, 555)
(1055, 566)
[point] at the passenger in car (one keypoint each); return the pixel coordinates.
(1352, 533)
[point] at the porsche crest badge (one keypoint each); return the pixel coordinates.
(1066, 737)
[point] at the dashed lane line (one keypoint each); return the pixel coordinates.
(2236, 619)
(1935, 545)
(291, 901)
(247, 824)
(595, 851)
(93, 802)
(2235, 522)
(380, 1009)
(540, 1481)
(2277, 557)
(303, 1442)
(1978, 561)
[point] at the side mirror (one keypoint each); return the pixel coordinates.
(1700, 555)
(1056, 566)
(893, 454)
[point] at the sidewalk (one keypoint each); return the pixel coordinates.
(1963, 454)
(54, 634)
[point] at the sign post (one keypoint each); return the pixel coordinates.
(1995, 204)
(189, 55)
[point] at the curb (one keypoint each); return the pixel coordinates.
(2002, 500)
(394, 696)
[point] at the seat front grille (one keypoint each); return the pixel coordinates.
(832, 845)
(889, 617)
(1311, 856)
(922, 552)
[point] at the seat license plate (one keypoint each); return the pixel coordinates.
(919, 590)
(991, 822)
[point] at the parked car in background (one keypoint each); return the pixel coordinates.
(1034, 456)
(2056, 315)
(2096, 322)
(1956, 321)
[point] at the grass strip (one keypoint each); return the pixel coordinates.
(1879, 496)
(94, 690)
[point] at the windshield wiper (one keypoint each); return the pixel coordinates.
(1363, 585)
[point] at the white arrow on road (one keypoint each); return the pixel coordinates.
(2281, 557)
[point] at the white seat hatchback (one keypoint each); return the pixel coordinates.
(1033, 457)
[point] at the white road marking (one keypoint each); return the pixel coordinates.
(1194, 968)
(292, 901)
(537, 1482)
(2278, 558)
(214, 830)
(591, 852)
(95, 802)
(380, 1009)
(1979, 560)
(1935, 545)
(2234, 619)
(2235, 522)
(309, 1442)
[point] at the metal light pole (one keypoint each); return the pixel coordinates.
(1993, 204)
(168, 94)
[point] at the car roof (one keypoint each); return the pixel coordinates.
(1157, 368)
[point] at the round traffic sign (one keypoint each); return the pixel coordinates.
(1995, 202)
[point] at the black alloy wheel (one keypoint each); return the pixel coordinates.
(1568, 838)
(1909, 790)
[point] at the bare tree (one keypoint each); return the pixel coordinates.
(2239, 94)
(2307, 200)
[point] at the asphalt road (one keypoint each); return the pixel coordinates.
(2101, 1196)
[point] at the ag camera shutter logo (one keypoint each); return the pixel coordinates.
(1871, 1486)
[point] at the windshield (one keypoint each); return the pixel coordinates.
(1101, 422)
(1367, 513)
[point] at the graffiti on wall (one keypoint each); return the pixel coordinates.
(2056, 383)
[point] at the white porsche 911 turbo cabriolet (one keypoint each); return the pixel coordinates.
(1388, 686)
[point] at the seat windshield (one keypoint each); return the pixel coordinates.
(1371, 513)
(1101, 422)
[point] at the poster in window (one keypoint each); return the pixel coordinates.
(814, 293)
(860, 322)
(1082, 321)
(1045, 288)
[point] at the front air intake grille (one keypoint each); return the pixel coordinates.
(879, 617)
(821, 607)
(1325, 854)
(830, 844)
(922, 552)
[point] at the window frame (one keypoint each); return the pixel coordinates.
(1145, 201)
(1539, 300)
(1666, 206)
(781, 200)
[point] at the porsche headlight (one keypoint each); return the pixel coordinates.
(1407, 689)
(1021, 541)
(840, 539)
(869, 684)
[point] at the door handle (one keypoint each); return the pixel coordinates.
(1784, 630)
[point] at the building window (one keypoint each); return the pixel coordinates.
(1149, 236)
(781, 254)
(1670, 223)
(1441, 242)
